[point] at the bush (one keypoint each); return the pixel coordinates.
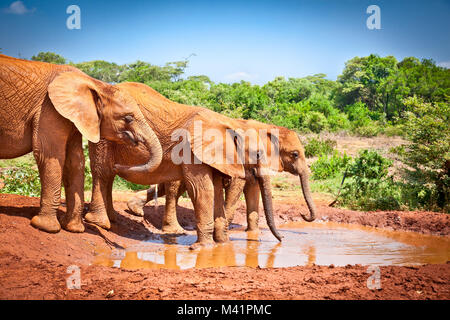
(317, 147)
(427, 156)
(370, 130)
(385, 195)
(358, 114)
(393, 130)
(23, 180)
(338, 121)
(368, 167)
(369, 186)
(362, 120)
(329, 166)
(315, 121)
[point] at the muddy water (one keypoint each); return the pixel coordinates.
(303, 244)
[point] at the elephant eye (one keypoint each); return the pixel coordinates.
(295, 154)
(128, 119)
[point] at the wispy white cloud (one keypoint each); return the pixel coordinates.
(241, 75)
(18, 7)
(445, 64)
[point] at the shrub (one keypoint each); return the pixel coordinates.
(317, 147)
(362, 120)
(368, 167)
(369, 186)
(358, 114)
(369, 130)
(338, 121)
(315, 121)
(427, 156)
(23, 180)
(329, 166)
(393, 130)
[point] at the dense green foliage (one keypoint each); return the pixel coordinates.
(329, 166)
(49, 57)
(367, 98)
(316, 147)
(22, 179)
(427, 155)
(369, 187)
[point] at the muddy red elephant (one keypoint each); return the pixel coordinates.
(46, 109)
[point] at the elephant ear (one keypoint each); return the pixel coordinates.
(75, 97)
(228, 143)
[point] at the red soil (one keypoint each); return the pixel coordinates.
(33, 264)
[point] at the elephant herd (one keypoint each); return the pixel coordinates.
(138, 134)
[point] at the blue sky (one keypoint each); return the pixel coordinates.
(233, 40)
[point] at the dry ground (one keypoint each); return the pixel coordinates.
(33, 264)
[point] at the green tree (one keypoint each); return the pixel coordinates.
(364, 79)
(427, 155)
(101, 70)
(49, 57)
(292, 90)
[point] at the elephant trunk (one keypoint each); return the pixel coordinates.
(266, 195)
(149, 139)
(307, 194)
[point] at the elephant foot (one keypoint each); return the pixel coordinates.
(100, 220)
(136, 206)
(202, 244)
(74, 225)
(48, 223)
(220, 230)
(173, 228)
(252, 221)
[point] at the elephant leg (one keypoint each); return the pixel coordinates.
(220, 220)
(73, 179)
(170, 222)
(232, 193)
(102, 177)
(251, 192)
(199, 185)
(49, 150)
(50, 173)
(141, 198)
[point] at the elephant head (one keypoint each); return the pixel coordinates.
(241, 158)
(102, 111)
(292, 159)
(284, 152)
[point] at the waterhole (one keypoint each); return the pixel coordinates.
(303, 244)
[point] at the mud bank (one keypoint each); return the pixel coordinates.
(33, 264)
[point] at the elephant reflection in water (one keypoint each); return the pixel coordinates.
(133, 260)
(223, 255)
(311, 253)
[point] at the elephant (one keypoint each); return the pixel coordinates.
(291, 159)
(47, 108)
(185, 157)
